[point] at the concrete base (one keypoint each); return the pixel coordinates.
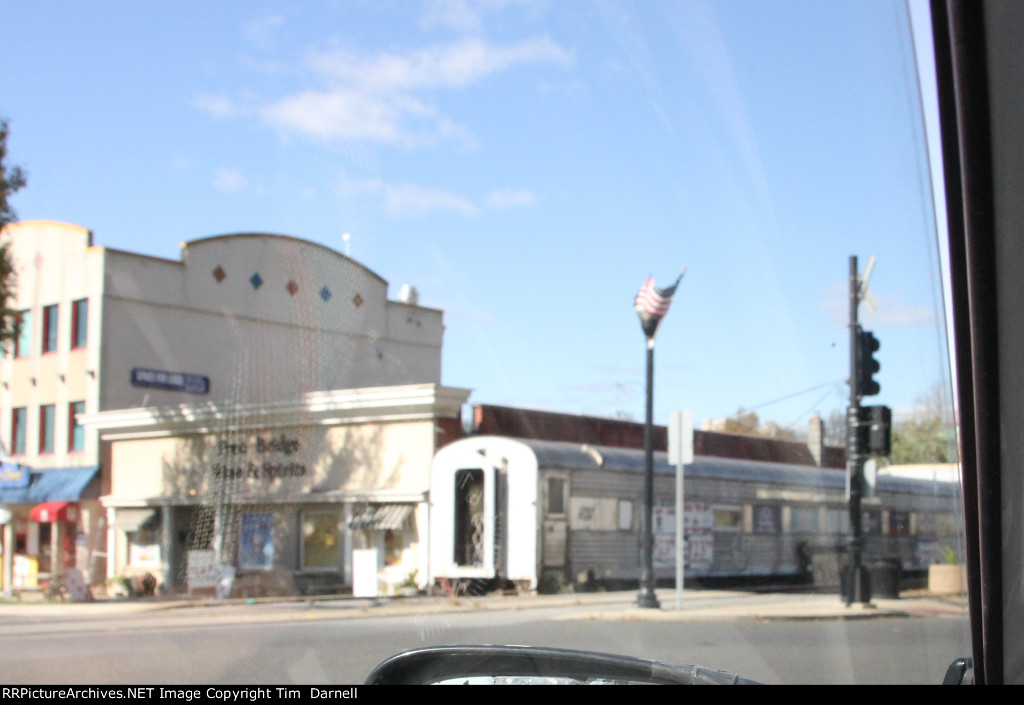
(947, 579)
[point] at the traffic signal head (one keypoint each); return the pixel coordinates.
(867, 365)
(878, 423)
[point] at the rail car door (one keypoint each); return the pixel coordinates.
(554, 492)
(481, 520)
(469, 518)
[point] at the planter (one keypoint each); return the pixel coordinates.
(947, 579)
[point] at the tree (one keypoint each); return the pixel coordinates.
(11, 180)
(747, 423)
(927, 437)
(835, 428)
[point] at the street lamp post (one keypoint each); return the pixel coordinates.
(651, 305)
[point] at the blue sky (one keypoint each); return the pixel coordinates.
(526, 165)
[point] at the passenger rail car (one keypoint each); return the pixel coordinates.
(545, 513)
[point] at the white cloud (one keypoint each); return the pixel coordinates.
(216, 105)
(468, 15)
(342, 113)
(835, 302)
(229, 181)
(460, 15)
(416, 200)
(410, 199)
(893, 312)
(260, 31)
(373, 97)
(443, 66)
(518, 198)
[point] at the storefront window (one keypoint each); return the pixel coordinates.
(320, 544)
(144, 548)
(256, 542)
(394, 542)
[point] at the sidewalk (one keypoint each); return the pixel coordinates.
(697, 605)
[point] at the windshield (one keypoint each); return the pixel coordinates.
(329, 306)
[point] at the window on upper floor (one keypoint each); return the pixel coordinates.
(76, 432)
(50, 319)
(79, 323)
(19, 419)
(23, 345)
(47, 413)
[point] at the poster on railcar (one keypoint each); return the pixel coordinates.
(698, 536)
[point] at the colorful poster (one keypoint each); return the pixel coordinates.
(256, 542)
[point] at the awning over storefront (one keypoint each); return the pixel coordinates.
(54, 485)
(132, 518)
(49, 512)
(381, 517)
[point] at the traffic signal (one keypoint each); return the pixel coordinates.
(867, 365)
(873, 429)
(878, 423)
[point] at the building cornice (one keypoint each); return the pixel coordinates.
(417, 402)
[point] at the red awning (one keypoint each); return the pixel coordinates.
(48, 512)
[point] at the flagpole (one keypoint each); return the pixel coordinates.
(646, 597)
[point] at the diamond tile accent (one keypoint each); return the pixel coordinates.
(292, 287)
(256, 280)
(219, 274)
(357, 300)
(325, 294)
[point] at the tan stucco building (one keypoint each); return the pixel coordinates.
(259, 403)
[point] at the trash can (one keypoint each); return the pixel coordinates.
(885, 577)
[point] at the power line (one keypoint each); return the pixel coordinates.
(812, 407)
(796, 394)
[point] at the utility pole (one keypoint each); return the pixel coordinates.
(868, 431)
(856, 580)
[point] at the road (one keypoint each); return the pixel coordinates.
(318, 643)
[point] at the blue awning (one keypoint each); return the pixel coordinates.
(54, 485)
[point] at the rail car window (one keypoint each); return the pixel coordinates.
(935, 524)
(872, 523)
(838, 520)
(728, 518)
(767, 519)
(625, 515)
(899, 523)
(556, 495)
(469, 517)
(804, 520)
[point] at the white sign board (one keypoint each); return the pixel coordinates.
(364, 572)
(202, 571)
(680, 437)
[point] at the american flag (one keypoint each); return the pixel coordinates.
(652, 303)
